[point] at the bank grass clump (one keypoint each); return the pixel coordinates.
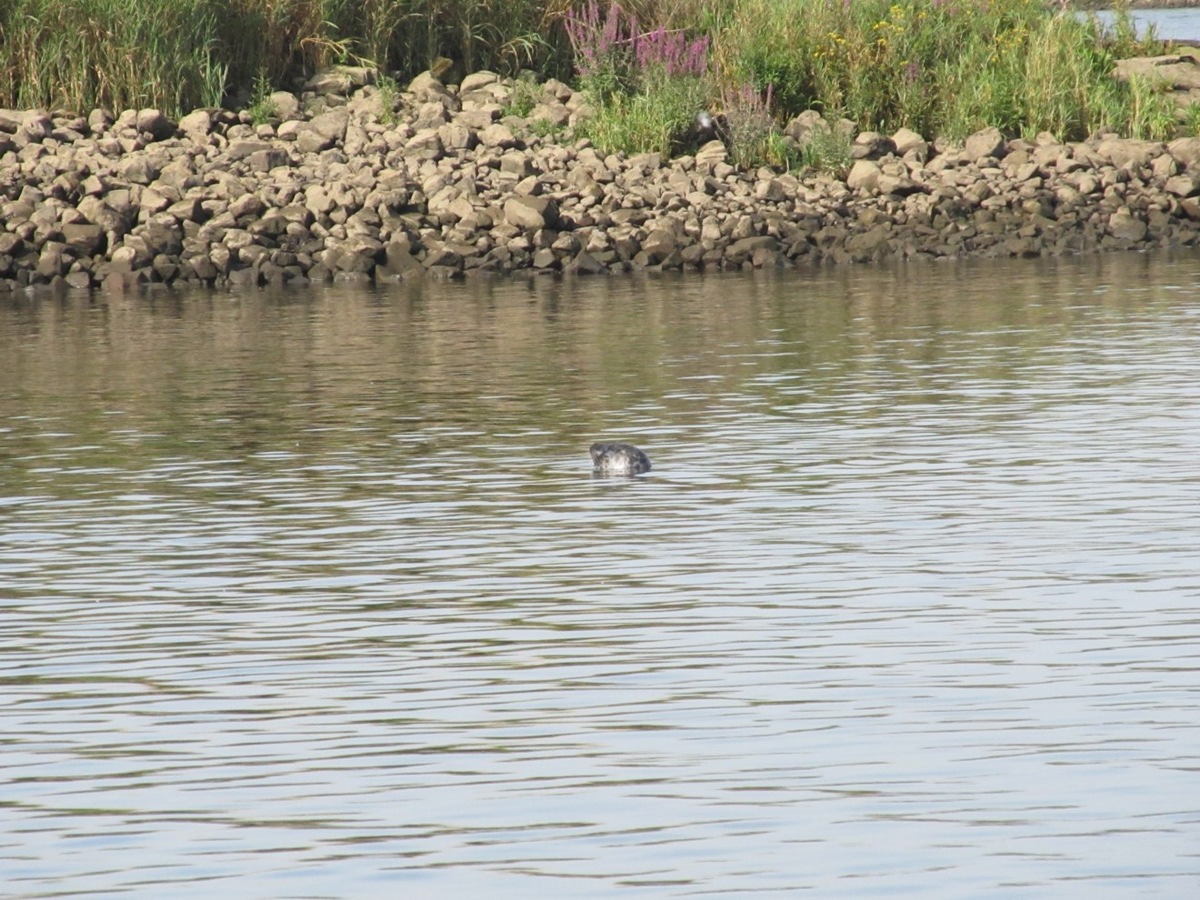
(828, 149)
(262, 108)
(80, 54)
(647, 85)
(524, 96)
(941, 66)
(749, 128)
(389, 98)
(177, 55)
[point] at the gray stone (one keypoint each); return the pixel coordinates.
(863, 176)
(196, 123)
(318, 200)
(153, 201)
(266, 160)
(988, 142)
(872, 145)
(242, 149)
(477, 80)
(328, 126)
(140, 168)
(480, 117)
(83, 239)
(1178, 72)
(658, 245)
(35, 126)
(554, 113)
(98, 212)
(585, 264)
(531, 212)
(869, 244)
(456, 136)
(399, 261)
(427, 86)
(156, 124)
(909, 142)
(711, 154)
(1124, 225)
(425, 144)
(516, 163)
(801, 128)
(1183, 185)
(247, 205)
(1186, 151)
(340, 80)
(498, 135)
(51, 261)
(431, 115)
(744, 249)
(187, 210)
(285, 104)
(1129, 154)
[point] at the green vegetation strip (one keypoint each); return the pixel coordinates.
(936, 66)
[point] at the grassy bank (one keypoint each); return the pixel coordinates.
(936, 66)
(178, 55)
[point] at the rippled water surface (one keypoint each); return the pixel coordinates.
(1178, 24)
(313, 594)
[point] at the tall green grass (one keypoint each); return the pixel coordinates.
(182, 54)
(939, 66)
(119, 53)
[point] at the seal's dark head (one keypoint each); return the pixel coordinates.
(618, 459)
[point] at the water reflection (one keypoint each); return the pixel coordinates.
(307, 594)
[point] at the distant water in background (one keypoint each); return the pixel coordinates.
(1169, 24)
(313, 594)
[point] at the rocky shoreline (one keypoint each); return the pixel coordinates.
(443, 184)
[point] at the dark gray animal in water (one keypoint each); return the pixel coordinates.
(618, 459)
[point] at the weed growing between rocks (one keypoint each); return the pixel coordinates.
(262, 108)
(1191, 118)
(389, 97)
(750, 129)
(523, 98)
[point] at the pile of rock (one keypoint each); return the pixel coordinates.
(444, 183)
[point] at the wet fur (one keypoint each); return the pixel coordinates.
(614, 459)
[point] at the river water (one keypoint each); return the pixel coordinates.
(313, 594)
(1178, 24)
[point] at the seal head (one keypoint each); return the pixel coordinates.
(618, 460)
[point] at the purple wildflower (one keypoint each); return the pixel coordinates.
(611, 41)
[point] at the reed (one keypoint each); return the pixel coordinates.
(939, 66)
(117, 53)
(181, 54)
